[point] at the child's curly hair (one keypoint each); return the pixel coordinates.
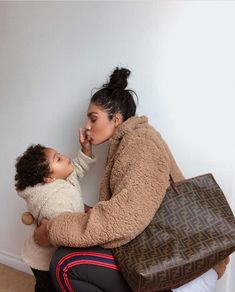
(32, 167)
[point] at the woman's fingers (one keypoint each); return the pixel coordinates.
(41, 234)
(221, 267)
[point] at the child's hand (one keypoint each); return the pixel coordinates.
(85, 141)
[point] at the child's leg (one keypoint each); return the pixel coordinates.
(205, 283)
(43, 281)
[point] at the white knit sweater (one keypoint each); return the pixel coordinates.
(47, 201)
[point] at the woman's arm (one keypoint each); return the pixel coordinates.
(139, 179)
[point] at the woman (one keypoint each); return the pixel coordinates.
(135, 180)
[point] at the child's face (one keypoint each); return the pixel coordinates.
(60, 165)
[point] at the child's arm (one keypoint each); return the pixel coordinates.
(82, 164)
(84, 160)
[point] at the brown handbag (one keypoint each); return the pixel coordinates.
(193, 229)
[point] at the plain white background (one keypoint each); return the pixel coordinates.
(52, 54)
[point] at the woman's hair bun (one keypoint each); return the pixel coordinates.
(118, 79)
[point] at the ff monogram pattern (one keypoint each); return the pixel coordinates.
(193, 229)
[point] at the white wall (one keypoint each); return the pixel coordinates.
(52, 54)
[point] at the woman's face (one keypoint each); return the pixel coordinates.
(99, 127)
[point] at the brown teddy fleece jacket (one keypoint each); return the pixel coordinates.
(135, 180)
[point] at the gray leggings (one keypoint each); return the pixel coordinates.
(90, 269)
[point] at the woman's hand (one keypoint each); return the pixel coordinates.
(87, 208)
(221, 267)
(85, 141)
(41, 233)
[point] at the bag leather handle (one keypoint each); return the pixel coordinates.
(173, 185)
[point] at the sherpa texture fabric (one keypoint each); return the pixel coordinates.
(135, 180)
(47, 201)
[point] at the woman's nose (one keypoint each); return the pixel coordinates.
(88, 126)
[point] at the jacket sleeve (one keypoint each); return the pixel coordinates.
(82, 165)
(139, 179)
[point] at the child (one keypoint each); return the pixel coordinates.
(49, 183)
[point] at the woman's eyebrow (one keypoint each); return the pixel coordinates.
(91, 113)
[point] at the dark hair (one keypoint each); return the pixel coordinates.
(32, 167)
(113, 96)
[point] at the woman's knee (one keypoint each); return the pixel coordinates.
(57, 269)
(56, 259)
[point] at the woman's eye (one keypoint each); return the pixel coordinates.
(93, 118)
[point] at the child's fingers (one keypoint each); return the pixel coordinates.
(88, 135)
(81, 135)
(84, 136)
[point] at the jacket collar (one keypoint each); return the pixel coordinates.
(128, 126)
